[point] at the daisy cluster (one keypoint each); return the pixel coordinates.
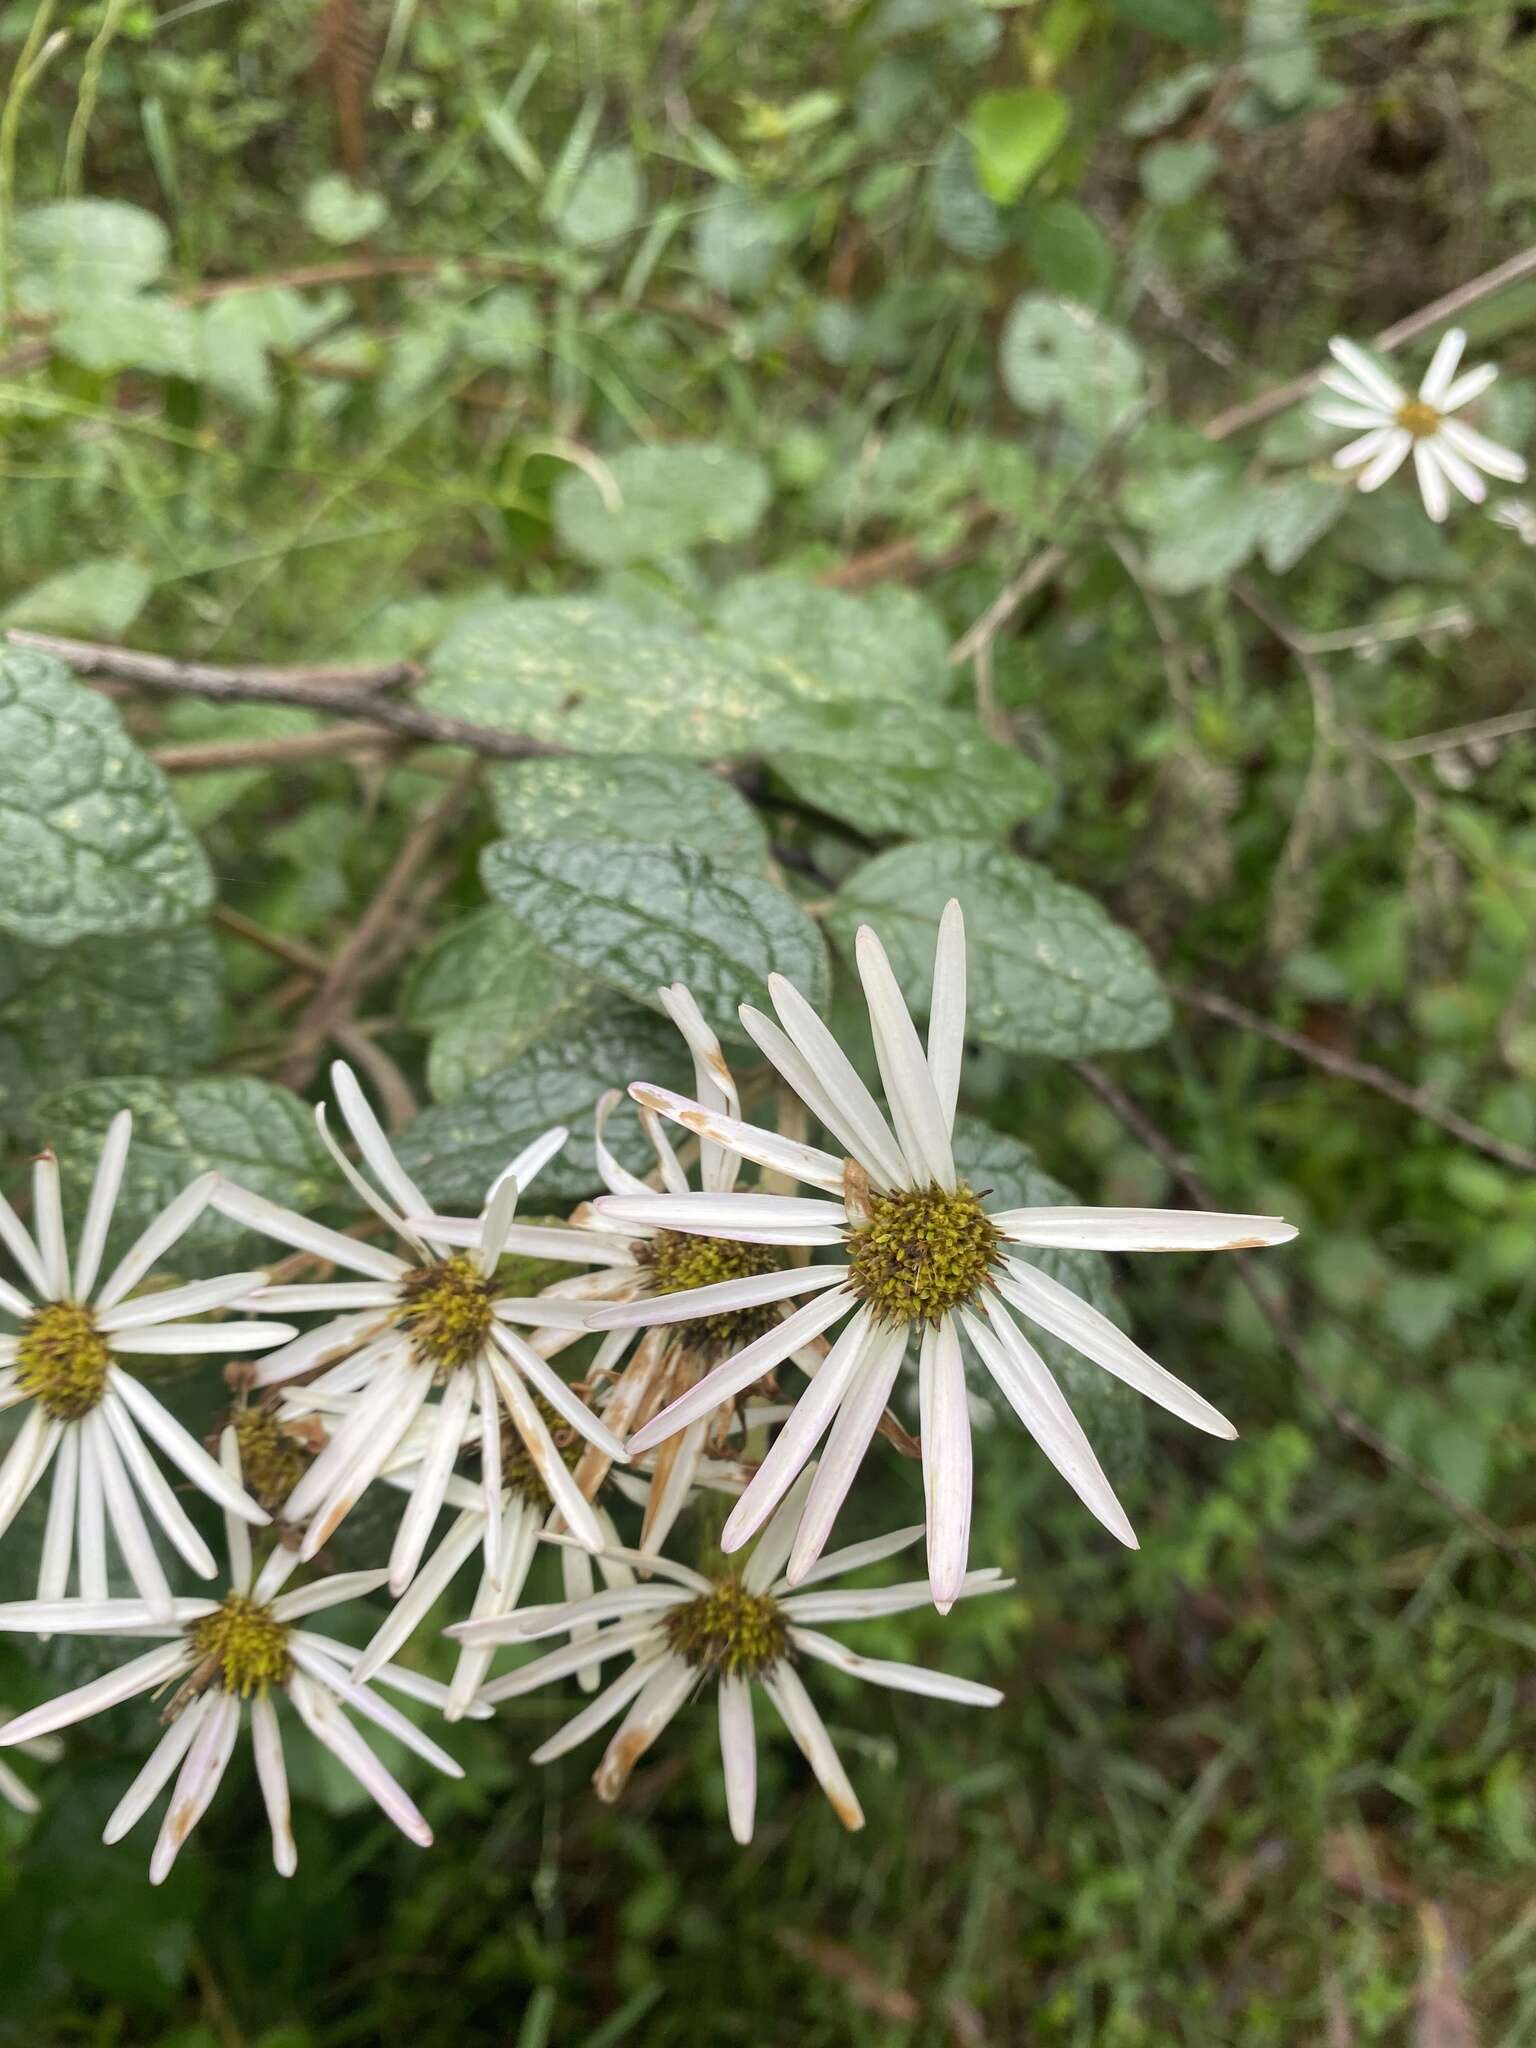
(742, 1343)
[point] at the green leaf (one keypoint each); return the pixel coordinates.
(90, 838)
(1014, 135)
(888, 643)
(150, 333)
(1058, 356)
(590, 675)
(338, 211)
(964, 218)
(1298, 510)
(607, 202)
(661, 501)
(1193, 22)
(652, 801)
(1050, 971)
(98, 600)
(926, 771)
(456, 1149)
(150, 1004)
(1173, 172)
(1070, 251)
(1204, 522)
(635, 917)
(1113, 1416)
(76, 251)
(241, 329)
(1279, 56)
(485, 992)
(739, 241)
(260, 1135)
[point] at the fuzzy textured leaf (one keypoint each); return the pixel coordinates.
(74, 251)
(90, 837)
(1050, 971)
(486, 991)
(839, 648)
(669, 499)
(652, 801)
(1058, 356)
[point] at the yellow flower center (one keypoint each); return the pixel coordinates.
(728, 1632)
(675, 1261)
(922, 1252)
(62, 1360)
(1419, 419)
(246, 1645)
(447, 1312)
(272, 1461)
(519, 1474)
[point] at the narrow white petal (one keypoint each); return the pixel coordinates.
(921, 1124)
(322, 1594)
(673, 1178)
(857, 1113)
(365, 1463)
(500, 1589)
(777, 1540)
(325, 1671)
(322, 1297)
(1342, 413)
(936, 1685)
(133, 1542)
(194, 1340)
(1142, 1230)
(1057, 1309)
(142, 1675)
(946, 1433)
(849, 1438)
(755, 1219)
(616, 1177)
(410, 1683)
(1488, 455)
(325, 1720)
(1472, 384)
(26, 1461)
(738, 1756)
(156, 1239)
(1366, 448)
(713, 1082)
(674, 1473)
(15, 1303)
(376, 1149)
(550, 1466)
(537, 1240)
(488, 1405)
(182, 1448)
(1393, 454)
(658, 1701)
(854, 1556)
(48, 1221)
(798, 1712)
(158, 1771)
(1351, 389)
(1432, 485)
(91, 1523)
(1443, 365)
(780, 1155)
(18, 1240)
(288, 1227)
(357, 1435)
(650, 1310)
(792, 1447)
(559, 1393)
(577, 1581)
(1366, 371)
(874, 1602)
(532, 1624)
(164, 1307)
(237, 1535)
(733, 1374)
(612, 1700)
(103, 1200)
(17, 1793)
(416, 1524)
(1028, 1385)
(332, 1343)
(272, 1775)
(423, 1594)
(201, 1775)
(59, 1534)
(565, 1662)
(95, 1617)
(531, 1161)
(946, 1016)
(1458, 472)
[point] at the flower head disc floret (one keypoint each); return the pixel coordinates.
(62, 1360)
(923, 1252)
(272, 1458)
(675, 1262)
(246, 1645)
(728, 1632)
(448, 1312)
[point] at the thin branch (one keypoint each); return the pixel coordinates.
(1037, 572)
(1276, 1314)
(1252, 410)
(292, 952)
(197, 756)
(1460, 736)
(1365, 1072)
(292, 686)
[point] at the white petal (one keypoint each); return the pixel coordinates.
(321, 1594)
(26, 1461)
(1057, 1309)
(328, 1724)
(612, 1700)
(367, 1415)
(321, 1297)
(616, 1177)
(1457, 471)
(59, 1534)
(780, 1155)
(1354, 393)
(195, 1340)
(777, 1539)
(532, 1624)
(873, 1603)
(841, 1100)
(142, 1675)
(365, 1462)
(1467, 387)
(1342, 413)
(946, 1016)
(1488, 455)
(1369, 445)
(182, 1448)
(673, 1178)
(326, 1672)
(237, 1535)
(103, 1200)
(91, 1523)
(17, 1793)
(921, 1124)
(854, 1556)
(138, 1553)
(272, 1775)
(728, 1378)
(495, 1222)
(443, 1446)
(376, 1149)
(158, 1771)
(156, 1239)
(1142, 1230)
(1432, 485)
(164, 1307)
(331, 1343)
(564, 1663)
(488, 1404)
(499, 1591)
(650, 1310)
(936, 1685)
(850, 1437)
(674, 1473)
(658, 1701)
(201, 1775)
(410, 1683)
(783, 1686)
(101, 1617)
(738, 1756)
(713, 1082)
(559, 1393)
(643, 1561)
(1027, 1384)
(754, 1219)
(423, 1594)
(536, 1241)
(19, 1242)
(550, 1466)
(1387, 463)
(1443, 365)
(48, 1221)
(1366, 372)
(792, 1447)
(288, 1227)
(946, 1434)
(531, 1161)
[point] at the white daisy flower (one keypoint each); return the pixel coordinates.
(642, 1262)
(225, 1656)
(431, 1321)
(903, 1247)
(1445, 450)
(73, 1365)
(13, 1790)
(737, 1631)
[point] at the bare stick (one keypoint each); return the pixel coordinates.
(197, 756)
(1460, 736)
(1276, 1314)
(1037, 572)
(350, 699)
(1365, 1072)
(1252, 410)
